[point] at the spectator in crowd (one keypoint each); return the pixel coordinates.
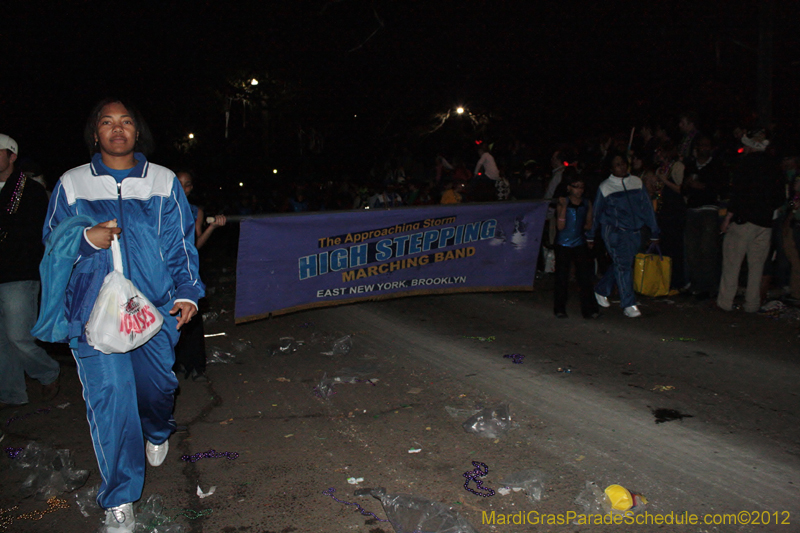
(703, 186)
(24, 205)
(298, 201)
(561, 159)
(442, 167)
(649, 146)
(790, 235)
(756, 192)
(485, 176)
(461, 172)
(688, 126)
(387, 198)
(451, 194)
(671, 209)
(574, 218)
(486, 164)
(558, 162)
(502, 187)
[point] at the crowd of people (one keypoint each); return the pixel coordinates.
(702, 186)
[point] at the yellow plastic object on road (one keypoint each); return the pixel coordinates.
(620, 497)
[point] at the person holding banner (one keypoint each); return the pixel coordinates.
(621, 208)
(129, 396)
(190, 352)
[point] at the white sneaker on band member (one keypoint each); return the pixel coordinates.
(602, 301)
(156, 453)
(120, 519)
(632, 312)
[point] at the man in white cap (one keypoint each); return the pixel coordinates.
(756, 192)
(23, 207)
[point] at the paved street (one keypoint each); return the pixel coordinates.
(582, 403)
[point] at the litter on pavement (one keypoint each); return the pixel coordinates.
(341, 346)
(202, 494)
(492, 422)
(531, 481)
(515, 358)
(411, 514)
(479, 471)
(48, 472)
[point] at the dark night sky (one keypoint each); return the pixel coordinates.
(546, 70)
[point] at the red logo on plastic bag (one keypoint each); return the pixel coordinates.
(136, 317)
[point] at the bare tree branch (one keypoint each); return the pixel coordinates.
(380, 25)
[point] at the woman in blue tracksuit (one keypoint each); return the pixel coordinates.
(621, 208)
(129, 397)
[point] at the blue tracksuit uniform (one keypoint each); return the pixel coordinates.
(622, 207)
(129, 397)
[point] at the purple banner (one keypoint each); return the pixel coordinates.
(293, 262)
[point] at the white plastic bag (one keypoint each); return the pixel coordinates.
(122, 319)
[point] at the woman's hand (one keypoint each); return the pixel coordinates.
(102, 234)
(184, 310)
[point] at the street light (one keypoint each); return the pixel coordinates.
(254, 82)
(460, 110)
(274, 170)
(191, 135)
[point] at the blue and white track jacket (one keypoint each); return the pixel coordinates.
(624, 204)
(157, 238)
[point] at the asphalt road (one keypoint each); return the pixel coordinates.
(582, 402)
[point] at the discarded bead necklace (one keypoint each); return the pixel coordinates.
(43, 410)
(516, 358)
(5, 517)
(53, 504)
(473, 475)
(361, 510)
(194, 515)
(13, 452)
(210, 454)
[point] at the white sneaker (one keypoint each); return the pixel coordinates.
(156, 453)
(120, 519)
(602, 301)
(632, 312)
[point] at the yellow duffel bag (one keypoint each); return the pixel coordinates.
(652, 273)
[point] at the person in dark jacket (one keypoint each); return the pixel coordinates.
(621, 208)
(756, 192)
(703, 185)
(23, 206)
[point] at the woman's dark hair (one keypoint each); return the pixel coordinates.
(186, 170)
(616, 153)
(144, 142)
(571, 176)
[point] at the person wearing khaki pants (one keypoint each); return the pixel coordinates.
(756, 192)
(743, 240)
